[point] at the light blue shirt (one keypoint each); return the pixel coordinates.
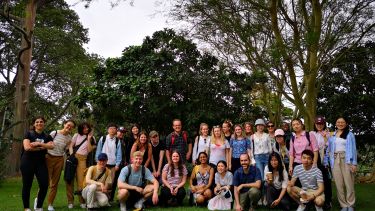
(350, 150)
(99, 149)
(135, 178)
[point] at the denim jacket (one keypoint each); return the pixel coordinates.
(350, 150)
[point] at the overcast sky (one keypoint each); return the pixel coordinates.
(113, 29)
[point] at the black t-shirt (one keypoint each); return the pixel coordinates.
(156, 152)
(33, 136)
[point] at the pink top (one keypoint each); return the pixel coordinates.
(76, 140)
(301, 143)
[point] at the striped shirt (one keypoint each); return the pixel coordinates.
(60, 141)
(309, 178)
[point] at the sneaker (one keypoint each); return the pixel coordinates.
(301, 207)
(70, 206)
(122, 206)
(35, 203)
(139, 204)
(27, 209)
(318, 208)
(264, 201)
(50, 208)
(39, 209)
(260, 203)
(83, 206)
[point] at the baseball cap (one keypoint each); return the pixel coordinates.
(102, 157)
(320, 120)
(121, 129)
(279, 132)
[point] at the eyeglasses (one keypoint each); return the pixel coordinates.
(270, 125)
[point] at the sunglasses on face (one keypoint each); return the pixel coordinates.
(270, 125)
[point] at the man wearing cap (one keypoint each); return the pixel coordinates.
(133, 185)
(120, 136)
(98, 182)
(110, 145)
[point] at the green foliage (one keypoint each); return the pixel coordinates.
(349, 89)
(165, 78)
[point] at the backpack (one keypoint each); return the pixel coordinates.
(106, 172)
(142, 177)
(184, 136)
(104, 138)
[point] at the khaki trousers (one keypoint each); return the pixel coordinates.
(344, 179)
(79, 179)
(55, 165)
(94, 197)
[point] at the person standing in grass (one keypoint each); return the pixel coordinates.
(158, 151)
(219, 147)
(342, 157)
(227, 130)
(239, 144)
(33, 162)
(201, 143)
(178, 141)
(55, 158)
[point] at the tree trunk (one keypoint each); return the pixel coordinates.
(22, 89)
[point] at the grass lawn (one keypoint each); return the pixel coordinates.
(10, 198)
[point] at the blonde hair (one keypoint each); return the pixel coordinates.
(213, 138)
(201, 126)
(137, 154)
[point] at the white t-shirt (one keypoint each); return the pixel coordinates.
(276, 183)
(201, 146)
(217, 152)
(340, 144)
(60, 141)
(262, 144)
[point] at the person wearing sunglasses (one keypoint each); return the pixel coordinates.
(202, 142)
(271, 134)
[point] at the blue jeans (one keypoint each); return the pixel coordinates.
(261, 162)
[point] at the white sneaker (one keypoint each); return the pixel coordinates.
(301, 207)
(39, 209)
(35, 203)
(83, 206)
(139, 204)
(27, 209)
(122, 206)
(264, 201)
(260, 203)
(318, 208)
(70, 206)
(50, 208)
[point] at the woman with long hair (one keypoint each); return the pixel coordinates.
(282, 147)
(248, 126)
(219, 147)
(201, 179)
(276, 178)
(82, 140)
(55, 158)
(300, 141)
(33, 162)
(342, 157)
(174, 178)
(129, 142)
(202, 142)
(271, 133)
(227, 129)
(239, 144)
(142, 145)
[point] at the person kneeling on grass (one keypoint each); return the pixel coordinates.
(247, 182)
(98, 181)
(132, 184)
(312, 183)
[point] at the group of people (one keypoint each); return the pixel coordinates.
(240, 168)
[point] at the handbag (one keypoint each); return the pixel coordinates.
(71, 164)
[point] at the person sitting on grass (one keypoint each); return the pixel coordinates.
(223, 181)
(312, 183)
(203, 174)
(247, 181)
(132, 184)
(174, 177)
(98, 181)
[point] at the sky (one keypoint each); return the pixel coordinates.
(113, 29)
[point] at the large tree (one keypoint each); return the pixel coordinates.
(289, 40)
(165, 78)
(58, 68)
